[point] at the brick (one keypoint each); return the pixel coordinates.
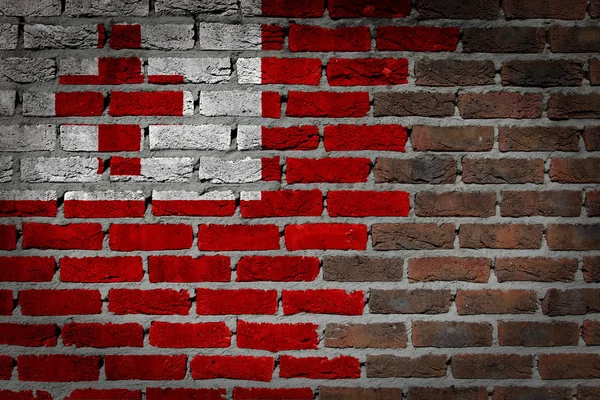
(594, 72)
(362, 269)
(28, 335)
(41, 36)
(102, 138)
(368, 8)
(455, 138)
(62, 237)
(340, 367)
(545, 203)
(184, 7)
(281, 203)
(291, 9)
(451, 334)
(276, 337)
(252, 137)
(565, 106)
(449, 393)
(244, 170)
(504, 40)
(573, 237)
(542, 73)
(367, 71)
(569, 366)
(178, 393)
(189, 269)
(325, 237)
(233, 367)
(8, 100)
(412, 236)
(425, 104)
(373, 335)
(58, 368)
(6, 171)
(365, 137)
(327, 104)
(148, 302)
(479, 9)
(591, 333)
(424, 169)
(322, 301)
(6, 368)
(168, 103)
(587, 392)
(431, 269)
(100, 71)
(571, 302)
(27, 137)
(8, 36)
(217, 36)
(315, 38)
(236, 302)
(213, 237)
(416, 38)
(8, 237)
(210, 203)
(44, 8)
(152, 37)
(390, 366)
(418, 301)
(107, 394)
(538, 334)
(454, 72)
(95, 8)
(101, 269)
(26, 269)
(145, 367)
(538, 9)
(277, 269)
(7, 302)
(502, 171)
(566, 39)
(535, 269)
(575, 170)
(491, 366)
(129, 237)
(591, 269)
(491, 301)
(591, 138)
(330, 170)
(349, 203)
(27, 70)
(63, 104)
(284, 71)
(516, 138)
(356, 393)
(102, 335)
(190, 137)
(240, 393)
(455, 204)
(108, 204)
(154, 169)
(500, 105)
(513, 392)
(240, 103)
(594, 9)
(187, 335)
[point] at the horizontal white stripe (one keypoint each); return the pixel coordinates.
(190, 137)
(107, 195)
(249, 71)
(42, 195)
(216, 170)
(192, 196)
(250, 196)
(79, 137)
(249, 137)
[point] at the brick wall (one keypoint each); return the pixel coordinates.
(290, 199)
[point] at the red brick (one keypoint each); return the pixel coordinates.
(165, 103)
(365, 137)
(573, 237)
(535, 269)
(25, 395)
(111, 71)
(455, 204)
(575, 170)
(272, 37)
(327, 104)
(283, 203)
(37, 302)
(79, 104)
(62, 237)
(101, 269)
(433, 269)
(240, 393)
(545, 203)
(238, 237)
(569, 366)
(103, 335)
(6, 367)
(236, 302)
(326, 237)
(493, 301)
(340, 367)
(368, 8)
(322, 301)
(233, 367)
(26, 269)
(304, 137)
(277, 337)
(183, 393)
(189, 269)
(451, 334)
(328, 170)
(125, 36)
(351, 203)
(452, 138)
(187, 335)
(500, 105)
(290, 71)
(571, 302)
(367, 71)
(416, 38)
(315, 38)
(145, 367)
(6, 302)
(28, 208)
(591, 333)
(42, 335)
(151, 302)
(297, 9)
(277, 269)
(491, 366)
(105, 394)
(538, 334)
(58, 368)
(130, 237)
(8, 237)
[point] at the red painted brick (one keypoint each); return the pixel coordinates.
(101, 269)
(368, 8)
(189, 269)
(235, 301)
(169, 103)
(58, 368)
(6, 367)
(105, 394)
(350, 203)
(283, 203)
(37, 302)
(124, 36)
(152, 302)
(277, 337)
(340, 367)
(292, 8)
(186, 335)
(240, 393)
(326, 237)
(327, 104)
(129, 237)
(290, 71)
(233, 367)
(328, 170)
(42, 335)
(27, 208)
(111, 71)
(277, 269)
(421, 38)
(62, 237)
(79, 104)
(8, 237)
(365, 137)
(183, 393)
(303, 137)
(27, 269)
(315, 38)
(103, 335)
(323, 301)
(6, 302)
(238, 237)
(145, 367)
(367, 71)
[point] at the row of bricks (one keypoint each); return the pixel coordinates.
(304, 38)
(57, 302)
(268, 104)
(218, 268)
(291, 203)
(311, 236)
(425, 9)
(302, 336)
(422, 170)
(298, 71)
(343, 137)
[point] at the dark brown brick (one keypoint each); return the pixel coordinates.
(537, 334)
(451, 334)
(500, 105)
(573, 237)
(354, 393)
(591, 269)
(591, 138)
(428, 169)
(535, 269)
(455, 204)
(432, 269)
(571, 302)
(591, 333)
(362, 269)
(491, 366)
(526, 203)
(449, 393)
(423, 104)
(538, 138)
(575, 170)
(500, 236)
(569, 366)
(454, 72)
(594, 72)
(588, 392)
(594, 11)
(492, 301)
(567, 39)
(544, 9)
(418, 301)
(376, 335)
(531, 393)
(544, 73)
(504, 170)
(412, 236)
(452, 138)
(457, 9)
(592, 203)
(565, 106)
(504, 40)
(389, 366)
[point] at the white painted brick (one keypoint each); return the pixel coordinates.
(190, 137)
(251, 7)
(249, 71)
(60, 169)
(183, 195)
(27, 70)
(184, 7)
(27, 137)
(79, 137)
(106, 195)
(193, 70)
(38, 104)
(216, 170)
(6, 164)
(168, 36)
(78, 66)
(249, 137)
(188, 103)
(101, 8)
(231, 103)
(251, 196)
(217, 36)
(9, 34)
(159, 169)
(40, 36)
(29, 8)
(7, 102)
(42, 195)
